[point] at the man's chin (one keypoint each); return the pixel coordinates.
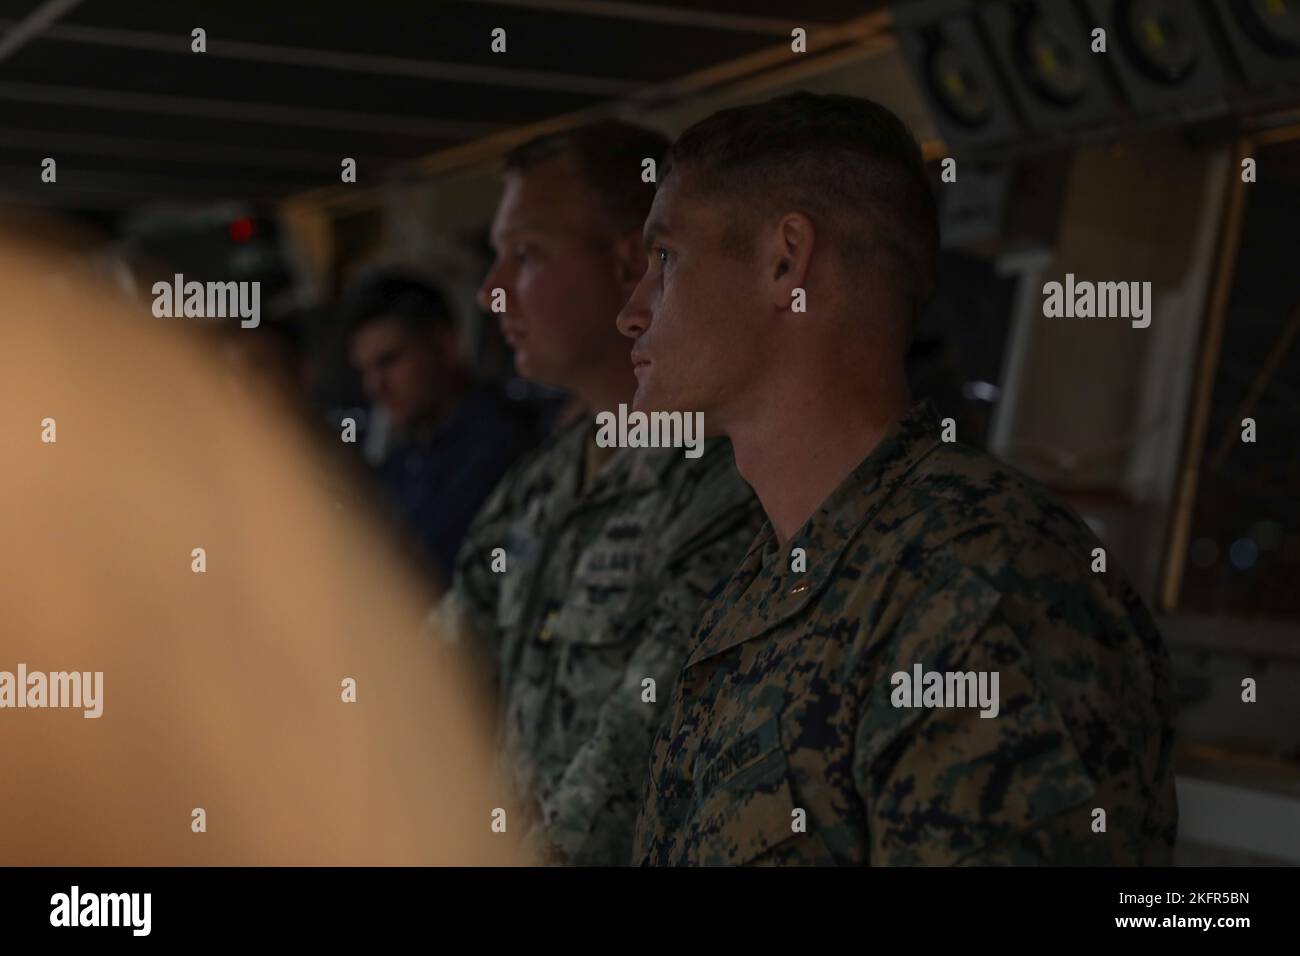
(643, 401)
(650, 402)
(526, 368)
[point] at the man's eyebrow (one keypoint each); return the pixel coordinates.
(508, 233)
(653, 230)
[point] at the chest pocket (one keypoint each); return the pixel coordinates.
(607, 597)
(746, 811)
(591, 639)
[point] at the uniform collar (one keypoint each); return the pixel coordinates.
(631, 470)
(765, 590)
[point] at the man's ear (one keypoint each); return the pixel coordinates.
(785, 255)
(629, 260)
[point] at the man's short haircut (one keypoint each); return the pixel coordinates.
(847, 163)
(390, 293)
(609, 156)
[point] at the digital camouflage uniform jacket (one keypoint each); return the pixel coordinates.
(937, 554)
(602, 589)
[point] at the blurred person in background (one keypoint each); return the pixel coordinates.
(455, 437)
(225, 681)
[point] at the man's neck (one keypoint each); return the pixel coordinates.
(604, 392)
(796, 452)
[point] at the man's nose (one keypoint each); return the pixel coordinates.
(634, 318)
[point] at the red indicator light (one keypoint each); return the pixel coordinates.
(241, 230)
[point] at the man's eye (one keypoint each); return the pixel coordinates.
(661, 254)
(520, 253)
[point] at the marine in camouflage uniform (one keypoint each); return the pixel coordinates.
(931, 553)
(604, 582)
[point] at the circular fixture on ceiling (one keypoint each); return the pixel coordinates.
(1159, 38)
(1048, 60)
(1273, 24)
(957, 86)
